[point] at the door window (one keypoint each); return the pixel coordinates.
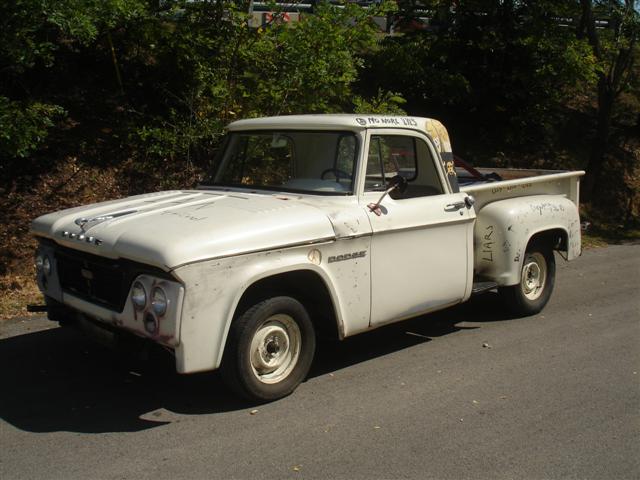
(407, 156)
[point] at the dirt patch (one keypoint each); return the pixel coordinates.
(16, 292)
(69, 184)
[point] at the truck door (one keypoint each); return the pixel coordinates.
(422, 243)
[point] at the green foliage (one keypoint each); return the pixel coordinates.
(23, 128)
(506, 67)
(32, 35)
(167, 76)
(309, 66)
(386, 103)
(210, 68)
(31, 31)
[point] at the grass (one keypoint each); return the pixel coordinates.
(608, 234)
(590, 241)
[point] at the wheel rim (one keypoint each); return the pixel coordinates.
(534, 275)
(275, 348)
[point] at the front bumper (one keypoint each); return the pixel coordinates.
(100, 289)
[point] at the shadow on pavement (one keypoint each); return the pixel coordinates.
(332, 356)
(56, 380)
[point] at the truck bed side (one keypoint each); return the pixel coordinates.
(512, 213)
(521, 183)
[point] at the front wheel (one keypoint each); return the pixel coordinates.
(269, 349)
(537, 278)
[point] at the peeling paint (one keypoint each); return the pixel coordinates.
(349, 222)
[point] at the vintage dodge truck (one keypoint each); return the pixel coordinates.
(307, 225)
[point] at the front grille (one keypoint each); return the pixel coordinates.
(103, 281)
(96, 281)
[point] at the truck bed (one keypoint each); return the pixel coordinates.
(520, 183)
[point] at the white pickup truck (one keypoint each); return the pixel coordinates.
(308, 224)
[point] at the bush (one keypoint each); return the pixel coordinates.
(24, 127)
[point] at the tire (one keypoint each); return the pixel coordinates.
(537, 278)
(269, 349)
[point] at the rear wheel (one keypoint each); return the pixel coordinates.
(537, 278)
(269, 349)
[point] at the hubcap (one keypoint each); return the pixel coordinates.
(534, 274)
(275, 348)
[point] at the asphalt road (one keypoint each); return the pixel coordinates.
(551, 396)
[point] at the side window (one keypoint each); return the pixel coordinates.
(391, 155)
(428, 180)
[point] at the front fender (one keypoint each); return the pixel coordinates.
(213, 290)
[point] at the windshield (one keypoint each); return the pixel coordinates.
(315, 162)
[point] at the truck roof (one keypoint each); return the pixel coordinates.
(332, 122)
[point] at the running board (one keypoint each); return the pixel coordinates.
(481, 287)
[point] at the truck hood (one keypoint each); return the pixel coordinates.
(169, 229)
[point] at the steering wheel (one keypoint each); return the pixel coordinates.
(337, 172)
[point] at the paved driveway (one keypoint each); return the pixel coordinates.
(552, 396)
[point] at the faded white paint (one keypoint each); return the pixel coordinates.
(505, 227)
(215, 287)
(558, 183)
(419, 255)
(172, 229)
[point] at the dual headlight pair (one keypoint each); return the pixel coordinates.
(43, 264)
(158, 298)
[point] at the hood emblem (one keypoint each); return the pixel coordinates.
(81, 222)
(86, 223)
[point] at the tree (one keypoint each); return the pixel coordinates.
(164, 77)
(210, 68)
(615, 50)
(34, 34)
(499, 72)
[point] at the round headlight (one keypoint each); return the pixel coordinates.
(150, 324)
(159, 301)
(46, 265)
(39, 262)
(138, 296)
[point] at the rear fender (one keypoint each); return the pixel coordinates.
(504, 229)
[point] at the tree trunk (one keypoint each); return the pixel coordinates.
(609, 86)
(606, 99)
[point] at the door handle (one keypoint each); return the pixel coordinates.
(468, 202)
(452, 207)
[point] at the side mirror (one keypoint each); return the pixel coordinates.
(397, 184)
